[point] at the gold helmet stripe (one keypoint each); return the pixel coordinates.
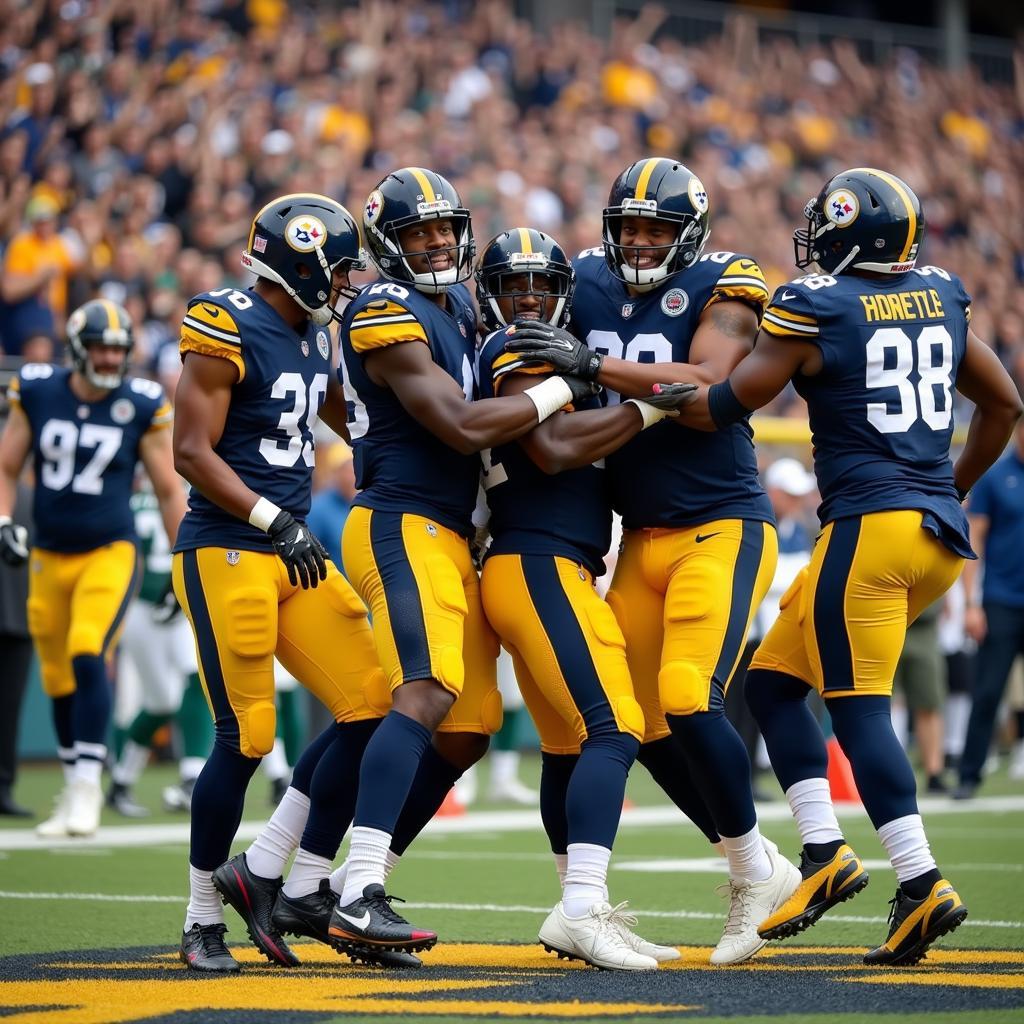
(899, 189)
(524, 239)
(424, 183)
(645, 177)
(113, 320)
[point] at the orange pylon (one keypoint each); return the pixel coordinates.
(840, 774)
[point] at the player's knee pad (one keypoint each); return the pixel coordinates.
(376, 692)
(257, 727)
(683, 688)
(491, 713)
(629, 717)
(251, 622)
(85, 637)
(57, 678)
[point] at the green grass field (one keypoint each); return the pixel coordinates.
(89, 927)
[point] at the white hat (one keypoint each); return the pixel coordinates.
(790, 477)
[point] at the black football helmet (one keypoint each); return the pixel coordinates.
(408, 196)
(297, 241)
(99, 322)
(664, 189)
(524, 252)
(863, 219)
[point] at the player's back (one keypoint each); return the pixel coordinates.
(670, 475)
(881, 409)
(268, 432)
(535, 513)
(400, 465)
(84, 454)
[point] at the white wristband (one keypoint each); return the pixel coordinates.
(549, 396)
(263, 514)
(4, 520)
(650, 414)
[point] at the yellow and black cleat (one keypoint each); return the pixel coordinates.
(915, 924)
(823, 886)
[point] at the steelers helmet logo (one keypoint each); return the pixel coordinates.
(841, 207)
(305, 233)
(698, 194)
(374, 207)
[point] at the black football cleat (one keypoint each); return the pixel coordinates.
(311, 916)
(121, 800)
(253, 898)
(203, 949)
(824, 885)
(370, 923)
(915, 924)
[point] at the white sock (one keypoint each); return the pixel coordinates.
(89, 770)
(131, 764)
(367, 862)
(811, 803)
(719, 848)
(586, 878)
(561, 866)
(339, 875)
(67, 762)
(280, 836)
(204, 905)
(190, 767)
(747, 856)
(907, 845)
(504, 766)
(275, 764)
(307, 871)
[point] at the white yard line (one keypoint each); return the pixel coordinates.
(487, 822)
(479, 908)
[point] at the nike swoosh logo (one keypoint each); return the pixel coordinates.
(359, 922)
(787, 295)
(747, 264)
(213, 311)
(707, 536)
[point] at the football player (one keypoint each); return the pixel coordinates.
(252, 580)
(875, 345)
(551, 524)
(86, 427)
(408, 346)
(157, 648)
(699, 544)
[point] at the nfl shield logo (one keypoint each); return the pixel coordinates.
(233, 557)
(305, 347)
(627, 310)
(432, 529)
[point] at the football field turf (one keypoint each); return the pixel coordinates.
(90, 928)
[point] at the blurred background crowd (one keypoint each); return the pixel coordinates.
(137, 141)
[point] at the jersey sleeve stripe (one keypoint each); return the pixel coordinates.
(14, 390)
(780, 328)
(364, 339)
(787, 314)
(382, 308)
(211, 332)
(408, 318)
(163, 417)
(210, 347)
(748, 282)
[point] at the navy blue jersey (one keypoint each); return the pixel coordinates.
(268, 432)
(85, 454)
(532, 512)
(668, 475)
(881, 409)
(400, 465)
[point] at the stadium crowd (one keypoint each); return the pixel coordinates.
(137, 140)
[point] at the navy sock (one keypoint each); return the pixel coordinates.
(389, 766)
(918, 888)
(670, 769)
(593, 803)
(302, 773)
(63, 709)
(93, 702)
(885, 780)
(555, 774)
(217, 802)
(332, 797)
(718, 759)
(434, 778)
(795, 742)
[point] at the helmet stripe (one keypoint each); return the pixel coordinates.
(524, 240)
(898, 188)
(113, 320)
(424, 183)
(645, 177)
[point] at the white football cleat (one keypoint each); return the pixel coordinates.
(749, 904)
(56, 825)
(512, 791)
(594, 938)
(625, 923)
(85, 801)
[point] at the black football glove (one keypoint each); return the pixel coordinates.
(303, 555)
(553, 345)
(582, 388)
(166, 608)
(670, 398)
(13, 543)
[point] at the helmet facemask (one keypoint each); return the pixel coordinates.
(432, 282)
(809, 244)
(492, 287)
(83, 336)
(681, 253)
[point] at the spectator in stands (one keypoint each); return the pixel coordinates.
(331, 504)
